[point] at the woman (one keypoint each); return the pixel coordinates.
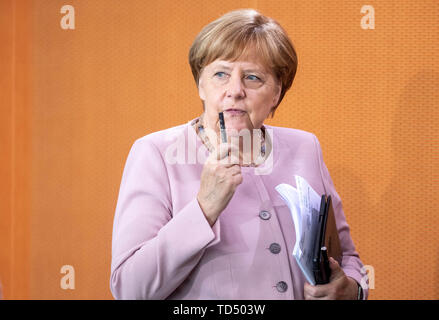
(188, 227)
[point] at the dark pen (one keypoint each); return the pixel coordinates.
(222, 127)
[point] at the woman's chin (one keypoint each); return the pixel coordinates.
(238, 123)
(236, 129)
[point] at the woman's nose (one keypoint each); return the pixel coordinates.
(235, 87)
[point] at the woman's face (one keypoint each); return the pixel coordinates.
(244, 89)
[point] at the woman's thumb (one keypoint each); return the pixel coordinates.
(336, 270)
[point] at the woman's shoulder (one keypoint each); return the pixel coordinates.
(163, 136)
(292, 135)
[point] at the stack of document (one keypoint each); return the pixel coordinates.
(310, 214)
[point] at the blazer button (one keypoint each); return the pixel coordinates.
(281, 286)
(274, 248)
(264, 215)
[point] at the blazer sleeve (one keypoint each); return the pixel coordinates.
(153, 248)
(351, 263)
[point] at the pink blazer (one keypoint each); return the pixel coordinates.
(164, 248)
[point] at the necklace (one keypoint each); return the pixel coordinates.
(199, 128)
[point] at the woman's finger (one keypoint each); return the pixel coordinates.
(235, 169)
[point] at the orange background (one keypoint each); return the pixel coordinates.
(74, 101)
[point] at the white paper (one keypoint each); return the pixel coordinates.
(304, 205)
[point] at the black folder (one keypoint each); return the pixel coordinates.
(327, 242)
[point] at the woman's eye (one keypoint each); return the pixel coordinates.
(220, 74)
(253, 77)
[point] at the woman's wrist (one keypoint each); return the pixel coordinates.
(206, 212)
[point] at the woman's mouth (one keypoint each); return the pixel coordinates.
(235, 112)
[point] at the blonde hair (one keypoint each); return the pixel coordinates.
(232, 35)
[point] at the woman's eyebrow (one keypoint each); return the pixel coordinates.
(222, 66)
(253, 70)
(226, 67)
